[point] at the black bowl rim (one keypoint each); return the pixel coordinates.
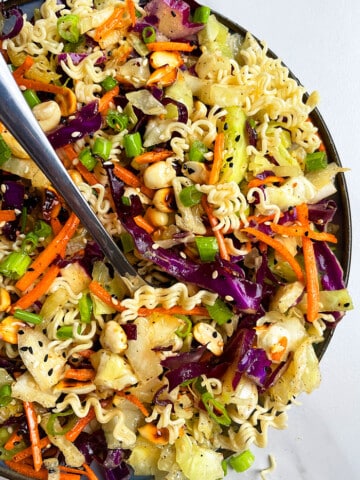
(344, 248)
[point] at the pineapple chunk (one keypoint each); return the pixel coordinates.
(45, 365)
(112, 371)
(26, 389)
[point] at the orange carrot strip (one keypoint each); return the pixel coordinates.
(130, 7)
(218, 159)
(278, 349)
(82, 374)
(257, 182)
(56, 225)
(279, 247)
(31, 417)
(27, 470)
(299, 231)
(107, 98)
(48, 255)
(142, 223)
(27, 452)
(262, 218)
(40, 289)
(117, 20)
(24, 67)
(71, 476)
(104, 296)
(170, 46)
(79, 426)
(7, 215)
(13, 440)
(154, 156)
(88, 176)
(135, 401)
(87, 472)
(176, 310)
(311, 271)
(217, 233)
(131, 180)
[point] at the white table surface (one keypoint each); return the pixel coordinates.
(320, 41)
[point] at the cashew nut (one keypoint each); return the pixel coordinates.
(163, 199)
(196, 171)
(48, 115)
(159, 175)
(5, 300)
(207, 335)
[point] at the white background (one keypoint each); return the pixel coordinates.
(320, 41)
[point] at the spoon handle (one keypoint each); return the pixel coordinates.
(18, 118)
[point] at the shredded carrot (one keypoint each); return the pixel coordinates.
(170, 46)
(79, 426)
(49, 254)
(311, 271)
(90, 473)
(300, 231)
(31, 417)
(71, 476)
(14, 439)
(278, 350)
(104, 296)
(27, 452)
(262, 218)
(163, 76)
(119, 19)
(279, 247)
(82, 374)
(257, 182)
(27, 471)
(218, 159)
(24, 67)
(217, 233)
(143, 223)
(135, 401)
(153, 156)
(107, 98)
(88, 176)
(56, 225)
(7, 215)
(40, 289)
(132, 180)
(130, 7)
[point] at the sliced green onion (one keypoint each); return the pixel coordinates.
(201, 14)
(108, 83)
(5, 395)
(127, 242)
(207, 247)
(197, 151)
(87, 159)
(118, 121)
(215, 409)
(242, 461)
(50, 425)
(130, 112)
(315, 161)
(68, 28)
(30, 242)
(5, 152)
(15, 265)
(126, 201)
(190, 196)
(85, 308)
(224, 466)
(102, 147)
(42, 229)
(185, 329)
(65, 332)
(219, 312)
(28, 317)
(148, 34)
(133, 144)
(31, 97)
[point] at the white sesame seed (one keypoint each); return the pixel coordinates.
(75, 161)
(76, 134)
(17, 211)
(183, 255)
(215, 274)
(3, 188)
(114, 301)
(229, 298)
(155, 246)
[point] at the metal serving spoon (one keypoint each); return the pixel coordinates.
(18, 118)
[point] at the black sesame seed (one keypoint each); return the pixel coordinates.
(215, 334)
(40, 343)
(31, 350)
(44, 331)
(347, 304)
(23, 349)
(231, 164)
(237, 138)
(173, 14)
(21, 332)
(64, 354)
(226, 126)
(46, 358)
(50, 372)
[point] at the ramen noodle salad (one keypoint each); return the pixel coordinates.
(196, 150)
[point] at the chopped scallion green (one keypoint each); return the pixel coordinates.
(30, 242)
(68, 28)
(42, 229)
(102, 147)
(118, 121)
(28, 317)
(65, 332)
(127, 241)
(148, 34)
(315, 161)
(207, 247)
(87, 159)
(197, 151)
(5, 395)
(15, 265)
(50, 426)
(185, 329)
(31, 97)
(85, 308)
(133, 144)
(108, 83)
(219, 312)
(5, 152)
(242, 461)
(215, 409)
(190, 196)
(201, 14)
